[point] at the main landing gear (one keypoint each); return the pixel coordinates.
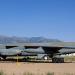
(4, 57)
(57, 60)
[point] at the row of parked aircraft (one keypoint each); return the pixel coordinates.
(41, 50)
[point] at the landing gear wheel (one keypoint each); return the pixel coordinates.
(4, 57)
(0, 58)
(57, 60)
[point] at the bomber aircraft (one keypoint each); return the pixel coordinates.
(53, 50)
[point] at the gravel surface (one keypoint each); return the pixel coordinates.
(37, 68)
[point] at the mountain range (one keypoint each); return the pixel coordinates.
(14, 39)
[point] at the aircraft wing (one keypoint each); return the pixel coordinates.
(53, 47)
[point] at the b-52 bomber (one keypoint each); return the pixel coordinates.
(53, 50)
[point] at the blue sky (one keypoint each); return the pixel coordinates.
(34, 18)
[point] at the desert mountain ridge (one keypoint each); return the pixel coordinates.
(14, 39)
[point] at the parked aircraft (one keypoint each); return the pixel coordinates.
(4, 53)
(53, 53)
(42, 50)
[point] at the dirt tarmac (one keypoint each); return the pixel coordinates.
(36, 68)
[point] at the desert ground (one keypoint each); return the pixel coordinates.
(19, 68)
